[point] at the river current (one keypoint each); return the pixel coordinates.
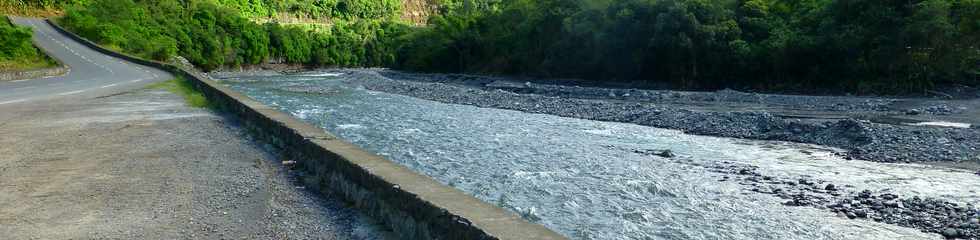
(583, 178)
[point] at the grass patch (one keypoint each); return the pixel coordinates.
(22, 64)
(182, 87)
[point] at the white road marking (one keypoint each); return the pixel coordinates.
(70, 93)
(137, 80)
(23, 88)
(110, 85)
(20, 80)
(14, 101)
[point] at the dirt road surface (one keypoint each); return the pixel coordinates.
(143, 165)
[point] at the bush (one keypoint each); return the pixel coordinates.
(15, 42)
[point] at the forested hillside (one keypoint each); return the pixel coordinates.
(816, 46)
(346, 9)
(212, 35)
(862, 46)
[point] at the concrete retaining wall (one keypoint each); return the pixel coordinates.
(61, 69)
(415, 206)
(32, 74)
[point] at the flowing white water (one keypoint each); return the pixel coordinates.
(942, 124)
(580, 177)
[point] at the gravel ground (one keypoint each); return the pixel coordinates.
(724, 113)
(142, 165)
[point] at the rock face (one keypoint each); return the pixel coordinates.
(417, 11)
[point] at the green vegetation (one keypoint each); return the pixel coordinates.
(858, 46)
(211, 36)
(185, 89)
(16, 50)
(342, 9)
(854, 46)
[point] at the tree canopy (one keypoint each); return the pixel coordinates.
(815, 46)
(862, 46)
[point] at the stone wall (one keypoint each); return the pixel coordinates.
(32, 74)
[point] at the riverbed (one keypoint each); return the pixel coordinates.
(587, 179)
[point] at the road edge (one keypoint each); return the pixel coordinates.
(413, 205)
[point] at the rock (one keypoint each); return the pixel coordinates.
(864, 194)
(950, 233)
(665, 154)
(913, 112)
(804, 181)
(861, 213)
(830, 187)
(894, 204)
(940, 110)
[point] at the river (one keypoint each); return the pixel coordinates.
(584, 178)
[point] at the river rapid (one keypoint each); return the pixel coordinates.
(585, 179)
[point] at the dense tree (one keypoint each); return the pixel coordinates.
(855, 46)
(212, 35)
(862, 46)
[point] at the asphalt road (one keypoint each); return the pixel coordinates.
(91, 73)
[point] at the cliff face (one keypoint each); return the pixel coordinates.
(418, 11)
